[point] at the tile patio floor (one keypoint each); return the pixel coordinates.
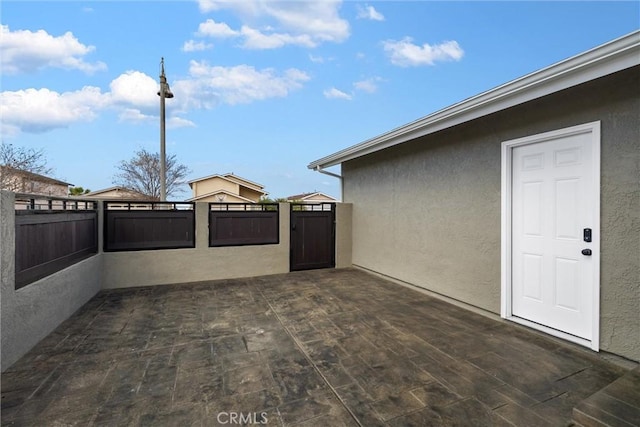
(316, 348)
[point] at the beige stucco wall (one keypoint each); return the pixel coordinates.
(160, 267)
(428, 212)
(344, 212)
(202, 263)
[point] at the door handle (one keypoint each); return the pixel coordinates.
(586, 252)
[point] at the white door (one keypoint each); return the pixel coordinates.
(554, 214)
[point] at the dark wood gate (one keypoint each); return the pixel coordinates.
(313, 237)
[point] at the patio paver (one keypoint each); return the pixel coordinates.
(314, 348)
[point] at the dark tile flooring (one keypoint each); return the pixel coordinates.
(315, 348)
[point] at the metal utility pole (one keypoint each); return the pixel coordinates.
(164, 92)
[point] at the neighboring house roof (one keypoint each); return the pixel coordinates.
(233, 178)
(307, 196)
(121, 192)
(611, 57)
(33, 176)
(215, 193)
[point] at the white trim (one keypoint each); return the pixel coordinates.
(506, 311)
(611, 57)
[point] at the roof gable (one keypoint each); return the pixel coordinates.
(126, 191)
(231, 178)
(307, 196)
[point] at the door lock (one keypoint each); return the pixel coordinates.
(586, 252)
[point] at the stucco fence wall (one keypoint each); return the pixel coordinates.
(161, 267)
(31, 313)
(427, 212)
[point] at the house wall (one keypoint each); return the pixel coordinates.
(428, 211)
(22, 184)
(117, 194)
(31, 313)
(242, 181)
(250, 194)
(214, 184)
(49, 189)
(319, 198)
(344, 212)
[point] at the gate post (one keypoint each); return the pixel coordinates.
(285, 227)
(201, 217)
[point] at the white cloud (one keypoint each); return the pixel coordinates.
(368, 85)
(133, 96)
(178, 122)
(24, 51)
(133, 115)
(208, 5)
(406, 54)
(369, 12)
(211, 85)
(319, 19)
(212, 28)
(334, 93)
(41, 110)
(270, 24)
(254, 39)
(194, 46)
(135, 88)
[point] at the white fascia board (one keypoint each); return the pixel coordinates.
(617, 55)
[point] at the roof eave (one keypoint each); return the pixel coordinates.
(617, 55)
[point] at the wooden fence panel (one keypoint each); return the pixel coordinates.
(47, 242)
(238, 228)
(130, 230)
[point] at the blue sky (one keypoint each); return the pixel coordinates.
(262, 88)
